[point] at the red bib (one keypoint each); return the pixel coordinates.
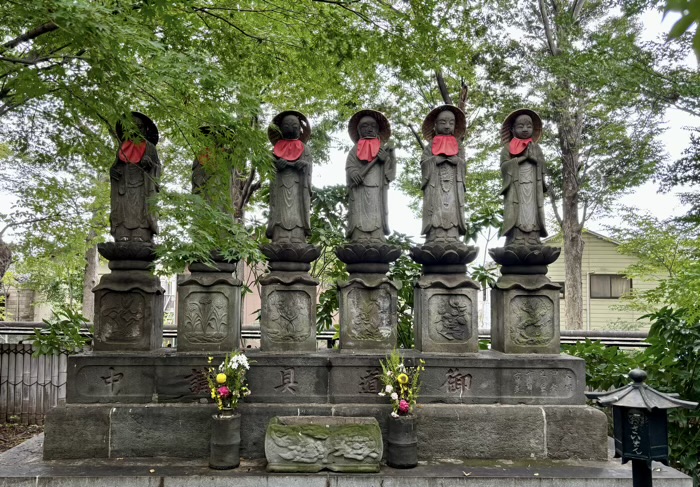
(367, 149)
(518, 146)
(204, 156)
(445, 145)
(132, 152)
(289, 150)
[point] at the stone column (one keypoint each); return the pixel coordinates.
(445, 299)
(209, 308)
(524, 302)
(128, 300)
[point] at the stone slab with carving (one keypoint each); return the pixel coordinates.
(315, 443)
(525, 321)
(327, 377)
(368, 313)
(446, 320)
(288, 317)
(209, 305)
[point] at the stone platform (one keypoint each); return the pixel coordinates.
(23, 467)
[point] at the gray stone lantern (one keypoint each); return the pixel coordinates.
(640, 424)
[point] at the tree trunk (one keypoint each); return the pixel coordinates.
(90, 278)
(570, 141)
(5, 257)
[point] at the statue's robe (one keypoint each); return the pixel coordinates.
(133, 186)
(523, 191)
(442, 182)
(290, 197)
(368, 208)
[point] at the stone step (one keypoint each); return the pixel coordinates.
(22, 466)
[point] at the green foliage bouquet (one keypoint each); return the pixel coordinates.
(227, 383)
(401, 383)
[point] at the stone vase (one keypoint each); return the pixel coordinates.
(402, 451)
(225, 440)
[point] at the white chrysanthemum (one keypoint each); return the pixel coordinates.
(389, 389)
(394, 396)
(382, 394)
(394, 414)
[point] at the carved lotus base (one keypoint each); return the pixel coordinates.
(444, 258)
(525, 259)
(368, 257)
(138, 255)
(290, 256)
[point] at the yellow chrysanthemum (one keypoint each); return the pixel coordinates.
(402, 378)
(221, 378)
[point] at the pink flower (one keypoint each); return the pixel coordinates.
(404, 407)
(224, 391)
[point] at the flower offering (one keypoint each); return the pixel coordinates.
(401, 383)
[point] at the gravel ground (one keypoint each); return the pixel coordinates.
(12, 435)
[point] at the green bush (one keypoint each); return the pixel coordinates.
(672, 362)
(61, 333)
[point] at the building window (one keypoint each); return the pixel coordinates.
(609, 286)
(562, 295)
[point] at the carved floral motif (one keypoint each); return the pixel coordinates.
(288, 316)
(123, 316)
(370, 314)
(206, 318)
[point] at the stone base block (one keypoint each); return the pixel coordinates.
(128, 311)
(315, 443)
(368, 317)
(328, 377)
(444, 431)
(524, 321)
(209, 312)
(446, 320)
(288, 317)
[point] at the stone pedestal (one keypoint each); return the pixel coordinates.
(288, 312)
(524, 302)
(368, 299)
(446, 318)
(128, 300)
(525, 321)
(445, 299)
(368, 313)
(209, 309)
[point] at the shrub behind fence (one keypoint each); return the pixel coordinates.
(30, 386)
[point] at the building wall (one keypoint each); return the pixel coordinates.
(600, 256)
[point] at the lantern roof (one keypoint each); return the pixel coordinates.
(639, 395)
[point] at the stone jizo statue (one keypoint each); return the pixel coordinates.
(523, 169)
(443, 168)
(290, 192)
(370, 167)
(134, 181)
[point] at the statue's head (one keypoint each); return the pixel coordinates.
(522, 123)
(290, 127)
(368, 128)
(445, 123)
(523, 127)
(142, 128)
(444, 120)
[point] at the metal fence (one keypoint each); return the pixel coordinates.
(30, 386)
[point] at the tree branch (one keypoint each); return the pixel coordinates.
(548, 29)
(444, 92)
(463, 93)
(418, 139)
(32, 34)
(576, 10)
(204, 10)
(556, 210)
